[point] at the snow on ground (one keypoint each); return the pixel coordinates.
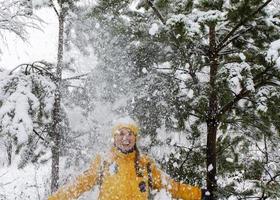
(28, 183)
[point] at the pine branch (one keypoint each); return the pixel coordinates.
(189, 150)
(75, 77)
(7, 183)
(258, 76)
(273, 178)
(241, 23)
(74, 86)
(177, 42)
(40, 136)
(171, 69)
(244, 92)
(234, 37)
(19, 66)
(169, 76)
(3, 174)
(229, 52)
(39, 67)
(156, 11)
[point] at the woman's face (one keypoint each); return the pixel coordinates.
(125, 140)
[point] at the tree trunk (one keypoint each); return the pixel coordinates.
(56, 127)
(212, 121)
(9, 147)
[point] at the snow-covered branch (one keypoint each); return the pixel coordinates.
(26, 98)
(241, 23)
(14, 18)
(76, 77)
(180, 47)
(259, 82)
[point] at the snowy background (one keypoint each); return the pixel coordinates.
(131, 75)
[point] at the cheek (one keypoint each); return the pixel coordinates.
(133, 140)
(117, 140)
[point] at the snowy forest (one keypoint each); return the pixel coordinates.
(201, 78)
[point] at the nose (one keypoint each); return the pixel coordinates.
(126, 137)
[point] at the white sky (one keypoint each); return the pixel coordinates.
(40, 45)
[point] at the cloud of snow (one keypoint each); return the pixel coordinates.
(154, 29)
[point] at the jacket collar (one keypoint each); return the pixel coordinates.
(120, 155)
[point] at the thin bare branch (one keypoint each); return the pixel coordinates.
(159, 15)
(54, 8)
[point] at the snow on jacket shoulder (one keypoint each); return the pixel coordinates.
(120, 181)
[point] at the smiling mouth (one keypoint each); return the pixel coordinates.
(125, 143)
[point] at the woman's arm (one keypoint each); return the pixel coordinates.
(176, 189)
(82, 184)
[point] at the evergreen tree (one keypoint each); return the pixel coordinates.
(26, 101)
(212, 64)
(63, 10)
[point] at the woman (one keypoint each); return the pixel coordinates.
(125, 174)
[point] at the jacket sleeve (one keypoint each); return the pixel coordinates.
(176, 189)
(82, 184)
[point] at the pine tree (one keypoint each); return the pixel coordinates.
(215, 57)
(62, 9)
(57, 129)
(27, 94)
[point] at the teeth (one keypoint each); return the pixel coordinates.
(126, 143)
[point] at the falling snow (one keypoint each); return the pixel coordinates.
(152, 70)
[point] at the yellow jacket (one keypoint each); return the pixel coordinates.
(119, 181)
